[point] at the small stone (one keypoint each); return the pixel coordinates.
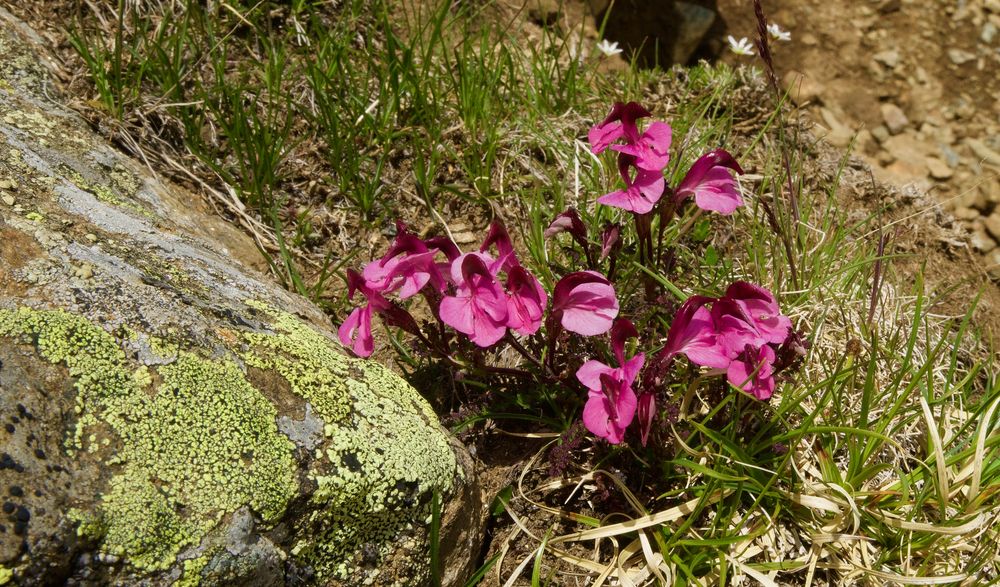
(6, 184)
(85, 271)
(981, 241)
(963, 213)
(880, 133)
(895, 119)
(983, 152)
(959, 57)
(938, 168)
(90, 237)
(993, 6)
(889, 58)
(810, 39)
(803, 89)
(992, 224)
(8, 199)
(988, 33)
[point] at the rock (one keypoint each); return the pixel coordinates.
(8, 199)
(880, 133)
(992, 6)
(992, 224)
(980, 240)
(803, 89)
(984, 153)
(989, 33)
(959, 57)
(895, 119)
(938, 168)
(694, 22)
(963, 213)
(175, 417)
(888, 58)
(840, 135)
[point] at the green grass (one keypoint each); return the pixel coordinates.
(314, 114)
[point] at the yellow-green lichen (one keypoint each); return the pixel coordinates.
(192, 572)
(5, 575)
(384, 454)
(202, 444)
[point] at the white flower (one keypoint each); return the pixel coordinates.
(608, 48)
(777, 34)
(741, 47)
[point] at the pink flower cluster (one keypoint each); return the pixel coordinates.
(738, 334)
(643, 157)
(478, 293)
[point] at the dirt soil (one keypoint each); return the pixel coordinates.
(917, 82)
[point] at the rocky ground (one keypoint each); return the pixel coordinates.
(915, 83)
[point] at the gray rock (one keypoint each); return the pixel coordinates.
(980, 240)
(161, 388)
(694, 22)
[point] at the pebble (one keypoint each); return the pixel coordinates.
(938, 168)
(85, 271)
(6, 184)
(989, 33)
(981, 241)
(959, 57)
(964, 213)
(8, 199)
(889, 58)
(880, 133)
(90, 237)
(992, 224)
(985, 153)
(803, 89)
(894, 117)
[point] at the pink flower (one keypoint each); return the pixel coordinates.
(498, 236)
(641, 193)
(693, 333)
(711, 184)
(752, 371)
(652, 149)
(585, 303)
(611, 401)
(356, 331)
(569, 221)
(619, 123)
(761, 309)
(526, 301)
(611, 240)
(734, 327)
(479, 306)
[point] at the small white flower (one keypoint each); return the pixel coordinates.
(608, 48)
(777, 34)
(741, 47)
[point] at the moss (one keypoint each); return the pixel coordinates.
(200, 445)
(384, 454)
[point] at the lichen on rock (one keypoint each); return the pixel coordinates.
(383, 455)
(197, 444)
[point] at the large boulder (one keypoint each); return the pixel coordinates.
(172, 417)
